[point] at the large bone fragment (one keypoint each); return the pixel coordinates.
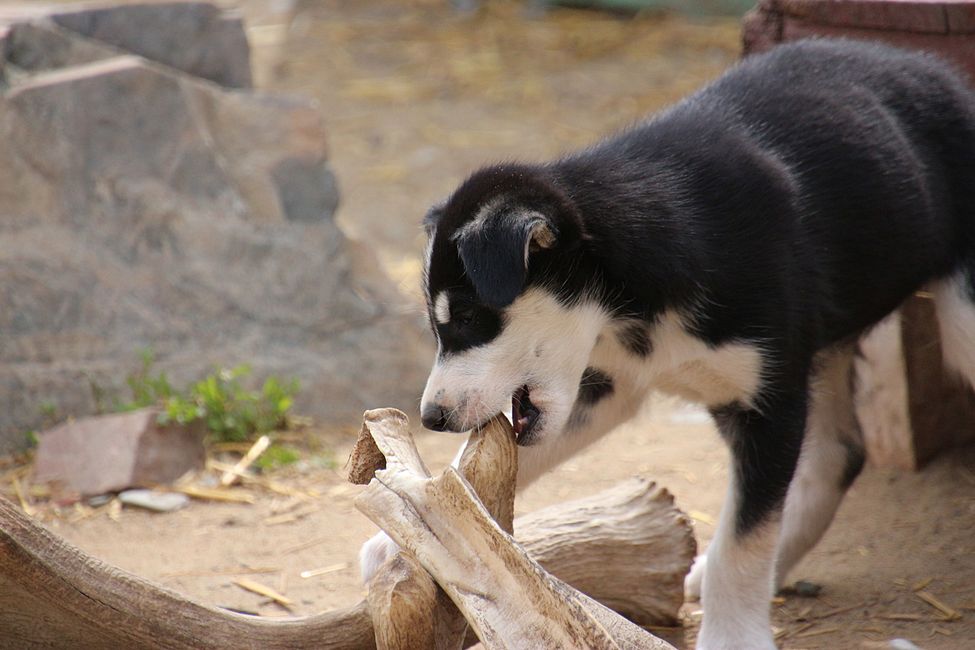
(409, 611)
(508, 598)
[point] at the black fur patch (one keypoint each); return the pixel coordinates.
(595, 386)
(856, 456)
(471, 324)
(636, 339)
(765, 447)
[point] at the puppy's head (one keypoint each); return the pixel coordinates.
(502, 258)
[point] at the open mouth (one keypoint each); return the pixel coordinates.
(524, 415)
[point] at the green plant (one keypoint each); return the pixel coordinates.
(230, 410)
(147, 389)
(49, 409)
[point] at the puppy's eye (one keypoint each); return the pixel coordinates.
(464, 317)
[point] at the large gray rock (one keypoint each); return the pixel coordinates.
(140, 206)
(42, 45)
(195, 37)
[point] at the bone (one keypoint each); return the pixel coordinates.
(506, 596)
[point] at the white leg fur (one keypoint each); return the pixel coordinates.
(817, 489)
(694, 582)
(818, 486)
(737, 588)
(956, 321)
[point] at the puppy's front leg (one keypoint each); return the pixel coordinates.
(739, 573)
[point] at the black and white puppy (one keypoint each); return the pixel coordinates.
(729, 250)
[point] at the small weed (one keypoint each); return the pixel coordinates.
(231, 411)
(147, 389)
(50, 414)
(49, 409)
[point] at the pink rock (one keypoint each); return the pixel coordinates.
(108, 453)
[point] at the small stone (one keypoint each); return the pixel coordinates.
(807, 589)
(99, 500)
(156, 501)
(903, 644)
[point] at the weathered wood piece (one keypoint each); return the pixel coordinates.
(409, 610)
(508, 598)
(628, 547)
(53, 595)
(909, 405)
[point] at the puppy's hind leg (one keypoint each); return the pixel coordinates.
(954, 299)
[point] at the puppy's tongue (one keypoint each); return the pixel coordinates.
(518, 419)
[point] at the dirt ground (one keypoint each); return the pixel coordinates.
(417, 96)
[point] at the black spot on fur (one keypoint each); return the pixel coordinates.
(855, 459)
(595, 386)
(765, 447)
(471, 324)
(636, 339)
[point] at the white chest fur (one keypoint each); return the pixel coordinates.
(681, 364)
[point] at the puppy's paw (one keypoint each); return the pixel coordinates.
(694, 581)
(764, 642)
(379, 548)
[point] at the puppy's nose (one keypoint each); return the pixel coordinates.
(434, 417)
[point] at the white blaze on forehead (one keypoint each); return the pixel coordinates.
(441, 307)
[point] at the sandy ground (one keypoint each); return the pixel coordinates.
(416, 97)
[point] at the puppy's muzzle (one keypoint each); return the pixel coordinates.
(435, 417)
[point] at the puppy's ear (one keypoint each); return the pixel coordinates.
(432, 218)
(495, 250)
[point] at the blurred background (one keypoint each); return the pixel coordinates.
(226, 233)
